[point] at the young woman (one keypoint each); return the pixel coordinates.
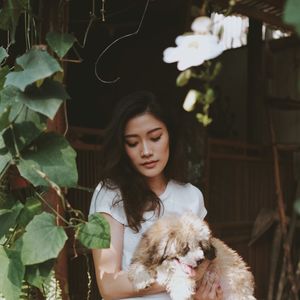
(139, 184)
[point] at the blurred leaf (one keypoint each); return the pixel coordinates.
(53, 156)
(217, 69)
(31, 208)
(95, 233)
(297, 206)
(3, 54)
(9, 15)
(46, 99)
(209, 96)
(183, 78)
(42, 231)
(8, 217)
(291, 14)
(60, 43)
(36, 64)
(204, 119)
(36, 275)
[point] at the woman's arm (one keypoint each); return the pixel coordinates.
(112, 282)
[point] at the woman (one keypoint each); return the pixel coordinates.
(137, 185)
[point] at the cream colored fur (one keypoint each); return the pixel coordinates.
(172, 252)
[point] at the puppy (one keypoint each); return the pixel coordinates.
(174, 251)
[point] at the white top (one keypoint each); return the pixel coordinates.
(177, 198)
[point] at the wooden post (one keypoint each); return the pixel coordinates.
(54, 14)
(255, 101)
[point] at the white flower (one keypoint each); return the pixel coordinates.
(202, 25)
(193, 50)
(190, 100)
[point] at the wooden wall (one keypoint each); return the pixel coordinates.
(239, 185)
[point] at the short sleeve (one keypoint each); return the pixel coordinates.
(106, 200)
(197, 202)
(202, 212)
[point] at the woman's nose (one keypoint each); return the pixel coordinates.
(146, 150)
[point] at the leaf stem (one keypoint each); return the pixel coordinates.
(52, 208)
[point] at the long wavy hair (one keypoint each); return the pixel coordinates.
(116, 170)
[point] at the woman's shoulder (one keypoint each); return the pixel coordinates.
(185, 196)
(107, 199)
(184, 187)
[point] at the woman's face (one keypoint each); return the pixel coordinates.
(147, 145)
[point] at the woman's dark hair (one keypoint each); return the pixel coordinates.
(116, 170)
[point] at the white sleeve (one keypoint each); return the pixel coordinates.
(197, 203)
(106, 201)
(201, 209)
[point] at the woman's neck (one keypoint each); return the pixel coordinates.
(157, 184)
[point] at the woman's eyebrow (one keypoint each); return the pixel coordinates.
(136, 135)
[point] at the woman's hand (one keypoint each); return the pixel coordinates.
(209, 288)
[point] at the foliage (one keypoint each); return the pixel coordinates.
(291, 14)
(31, 231)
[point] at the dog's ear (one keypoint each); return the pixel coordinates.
(208, 249)
(157, 250)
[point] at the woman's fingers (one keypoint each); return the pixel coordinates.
(209, 288)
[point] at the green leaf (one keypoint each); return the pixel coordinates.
(3, 72)
(9, 16)
(43, 240)
(5, 159)
(31, 208)
(11, 273)
(8, 99)
(60, 43)
(46, 99)
(4, 118)
(8, 217)
(291, 14)
(36, 275)
(3, 54)
(297, 206)
(24, 132)
(5, 156)
(53, 156)
(36, 65)
(95, 233)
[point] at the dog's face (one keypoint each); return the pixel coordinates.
(185, 240)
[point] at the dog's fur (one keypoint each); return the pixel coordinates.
(173, 250)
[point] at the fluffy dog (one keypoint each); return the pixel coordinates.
(173, 251)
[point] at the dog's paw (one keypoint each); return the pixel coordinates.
(140, 277)
(181, 289)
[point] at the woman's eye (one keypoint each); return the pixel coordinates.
(131, 145)
(155, 139)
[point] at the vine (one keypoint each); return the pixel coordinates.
(37, 161)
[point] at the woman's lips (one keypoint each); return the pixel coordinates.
(150, 164)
